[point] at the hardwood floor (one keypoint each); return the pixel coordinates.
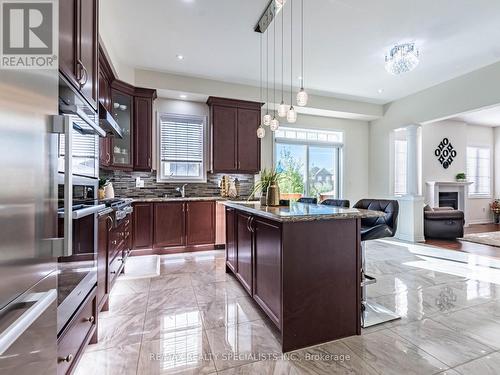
(470, 247)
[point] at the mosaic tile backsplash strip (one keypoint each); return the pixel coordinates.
(124, 185)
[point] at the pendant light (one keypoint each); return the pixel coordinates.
(267, 117)
(282, 108)
(291, 115)
(261, 132)
(302, 94)
(275, 124)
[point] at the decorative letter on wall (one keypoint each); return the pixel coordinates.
(445, 153)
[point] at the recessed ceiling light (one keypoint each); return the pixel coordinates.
(182, 96)
(380, 91)
(180, 57)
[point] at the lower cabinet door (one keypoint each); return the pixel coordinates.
(267, 262)
(244, 249)
(169, 224)
(231, 239)
(200, 223)
(142, 225)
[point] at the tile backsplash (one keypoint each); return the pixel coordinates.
(124, 185)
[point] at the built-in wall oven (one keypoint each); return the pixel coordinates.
(78, 206)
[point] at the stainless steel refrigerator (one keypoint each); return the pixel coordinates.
(28, 222)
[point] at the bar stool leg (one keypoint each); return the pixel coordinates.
(372, 313)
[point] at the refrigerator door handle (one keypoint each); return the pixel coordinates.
(63, 124)
(21, 324)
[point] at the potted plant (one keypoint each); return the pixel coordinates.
(495, 208)
(261, 186)
(461, 177)
(268, 187)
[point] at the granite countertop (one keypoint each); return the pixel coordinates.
(187, 199)
(302, 211)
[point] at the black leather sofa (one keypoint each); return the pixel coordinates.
(443, 223)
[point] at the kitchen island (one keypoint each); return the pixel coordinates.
(302, 265)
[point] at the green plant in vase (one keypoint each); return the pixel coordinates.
(268, 183)
(461, 177)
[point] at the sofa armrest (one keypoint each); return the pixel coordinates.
(444, 215)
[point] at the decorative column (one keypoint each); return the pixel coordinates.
(411, 206)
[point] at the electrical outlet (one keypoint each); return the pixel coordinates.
(139, 183)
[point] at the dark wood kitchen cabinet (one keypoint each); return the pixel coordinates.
(78, 46)
(231, 251)
(267, 260)
(235, 146)
(176, 226)
(169, 224)
(200, 223)
(244, 239)
(132, 108)
(143, 128)
(142, 226)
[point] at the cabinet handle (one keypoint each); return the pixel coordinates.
(91, 319)
(112, 272)
(109, 157)
(68, 358)
(149, 162)
(239, 164)
(111, 223)
(84, 75)
(113, 242)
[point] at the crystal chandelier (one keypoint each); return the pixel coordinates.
(402, 58)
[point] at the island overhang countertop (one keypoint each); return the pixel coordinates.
(302, 211)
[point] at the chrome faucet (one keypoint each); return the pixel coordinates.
(181, 190)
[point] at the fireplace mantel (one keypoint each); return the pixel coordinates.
(462, 188)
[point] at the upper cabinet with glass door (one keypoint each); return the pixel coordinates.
(121, 149)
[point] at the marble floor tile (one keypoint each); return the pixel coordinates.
(390, 354)
(119, 331)
(239, 344)
(487, 365)
(169, 267)
(131, 286)
(475, 322)
(164, 323)
(128, 304)
(333, 358)
(118, 360)
(387, 267)
(181, 352)
(221, 314)
(221, 292)
(178, 280)
(271, 367)
(200, 279)
(171, 298)
(450, 347)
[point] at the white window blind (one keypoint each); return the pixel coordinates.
(479, 171)
(400, 166)
(181, 148)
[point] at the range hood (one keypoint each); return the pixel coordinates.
(108, 123)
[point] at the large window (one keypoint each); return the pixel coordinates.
(310, 161)
(479, 171)
(181, 148)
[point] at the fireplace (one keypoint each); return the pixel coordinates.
(448, 199)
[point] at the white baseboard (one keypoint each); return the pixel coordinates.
(480, 221)
(410, 238)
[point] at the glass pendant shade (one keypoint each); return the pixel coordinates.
(302, 98)
(267, 119)
(280, 3)
(282, 108)
(291, 115)
(261, 132)
(402, 58)
(275, 124)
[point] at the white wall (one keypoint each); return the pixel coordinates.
(478, 89)
(460, 136)
(355, 184)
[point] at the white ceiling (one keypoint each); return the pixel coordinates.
(485, 117)
(345, 41)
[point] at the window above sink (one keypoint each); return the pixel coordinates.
(182, 148)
